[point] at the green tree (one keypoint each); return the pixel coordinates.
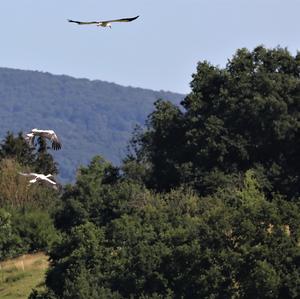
(10, 243)
(99, 195)
(87, 200)
(17, 148)
(35, 228)
(235, 243)
(243, 116)
(75, 273)
(44, 162)
(161, 145)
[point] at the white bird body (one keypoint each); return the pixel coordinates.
(37, 177)
(104, 23)
(48, 134)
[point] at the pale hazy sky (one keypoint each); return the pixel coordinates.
(160, 50)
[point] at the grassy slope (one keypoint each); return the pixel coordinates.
(19, 276)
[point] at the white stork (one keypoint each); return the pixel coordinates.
(48, 134)
(104, 23)
(37, 177)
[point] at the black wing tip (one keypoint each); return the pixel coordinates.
(134, 18)
(129, 19)
(56, 146)
(72, 21)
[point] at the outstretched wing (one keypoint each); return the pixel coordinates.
(83, 23)
(32, 175)
(121, 20)
(49, 181)
(56, 144)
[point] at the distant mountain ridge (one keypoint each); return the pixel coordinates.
(91, 116)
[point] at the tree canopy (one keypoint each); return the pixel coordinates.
(246, 115)
(136, 244)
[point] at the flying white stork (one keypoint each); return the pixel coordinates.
(37, 177)
(104, 23)
(48, 134)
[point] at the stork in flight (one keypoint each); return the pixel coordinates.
(37, 177)
(104, 23)
(48, 134)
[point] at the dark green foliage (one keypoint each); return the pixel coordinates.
(80, 252)
(84, 201)
(23, 232)
(177, 245)
(36, 230)
(17, 148)
(240, 117)
(99, 196)
(103, 113)
(162, 145)
(10, 243)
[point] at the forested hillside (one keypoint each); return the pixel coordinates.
(91, 117)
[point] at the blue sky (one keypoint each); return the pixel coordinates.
(160, 50)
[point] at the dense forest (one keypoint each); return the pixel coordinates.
(91, 117)
(204, 205)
